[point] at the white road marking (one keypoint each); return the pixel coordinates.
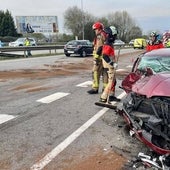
(129, 66)
(85, 84)
(51, 155)
(122, 95)
(5, 118)
(53, 97)
(121, 70)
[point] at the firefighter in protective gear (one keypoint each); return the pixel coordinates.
(97, 70)
(155, 42)
(110, 64)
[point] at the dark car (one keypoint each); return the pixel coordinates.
(158, 60)
(78, 47)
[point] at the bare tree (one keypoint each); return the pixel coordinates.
(76, 21)
(134, 32)
(72, 20)
(124, 23)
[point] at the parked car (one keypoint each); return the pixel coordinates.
(1, 44)
(131, 42)
(158, 60)
(78, 47)
(20, 42)
(119, 43)
(139, 43)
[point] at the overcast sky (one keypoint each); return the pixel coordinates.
(148, 14)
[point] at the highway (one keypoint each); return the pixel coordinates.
(47, 118)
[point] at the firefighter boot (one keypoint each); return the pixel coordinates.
(92, 91)
(113, 98)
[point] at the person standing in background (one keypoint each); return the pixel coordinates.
(110, 64)
(155, 42)
(28, 43)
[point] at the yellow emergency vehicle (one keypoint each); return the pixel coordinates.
(139, 43)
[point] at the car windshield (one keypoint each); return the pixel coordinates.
(76, 43)
(72, 43)
(20, 39)
(157, 63)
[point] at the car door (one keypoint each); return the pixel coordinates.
(89, 47)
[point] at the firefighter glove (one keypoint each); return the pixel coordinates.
(96, 56)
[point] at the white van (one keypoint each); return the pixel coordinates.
(139, 43)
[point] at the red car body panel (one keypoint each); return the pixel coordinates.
(154, 85)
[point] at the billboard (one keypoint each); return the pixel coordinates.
(37, 24)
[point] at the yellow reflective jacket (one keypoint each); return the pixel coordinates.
(168, 44)
(27, 42)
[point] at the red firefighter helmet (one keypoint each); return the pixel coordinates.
(97, 25)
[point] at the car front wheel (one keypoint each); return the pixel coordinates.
(68, 55)
(83, 54)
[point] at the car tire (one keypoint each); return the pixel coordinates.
(83, 54)
(67, 55)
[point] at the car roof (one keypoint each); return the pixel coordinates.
(158, 52)
(78, 40)
(23, 38)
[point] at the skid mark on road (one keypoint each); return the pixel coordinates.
(53, 97)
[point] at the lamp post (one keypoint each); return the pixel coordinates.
(82, 19)
(49, 32)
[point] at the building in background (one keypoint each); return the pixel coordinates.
(47, 25)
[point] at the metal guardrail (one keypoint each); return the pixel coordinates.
(32, 48)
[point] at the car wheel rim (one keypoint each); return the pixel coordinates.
(84, 54)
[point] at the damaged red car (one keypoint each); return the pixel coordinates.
(146, 107)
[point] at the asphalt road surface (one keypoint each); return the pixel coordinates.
(49, 121)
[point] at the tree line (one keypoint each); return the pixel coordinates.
(76, 21)
(7, 26)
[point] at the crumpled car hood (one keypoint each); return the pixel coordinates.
(155, 85)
